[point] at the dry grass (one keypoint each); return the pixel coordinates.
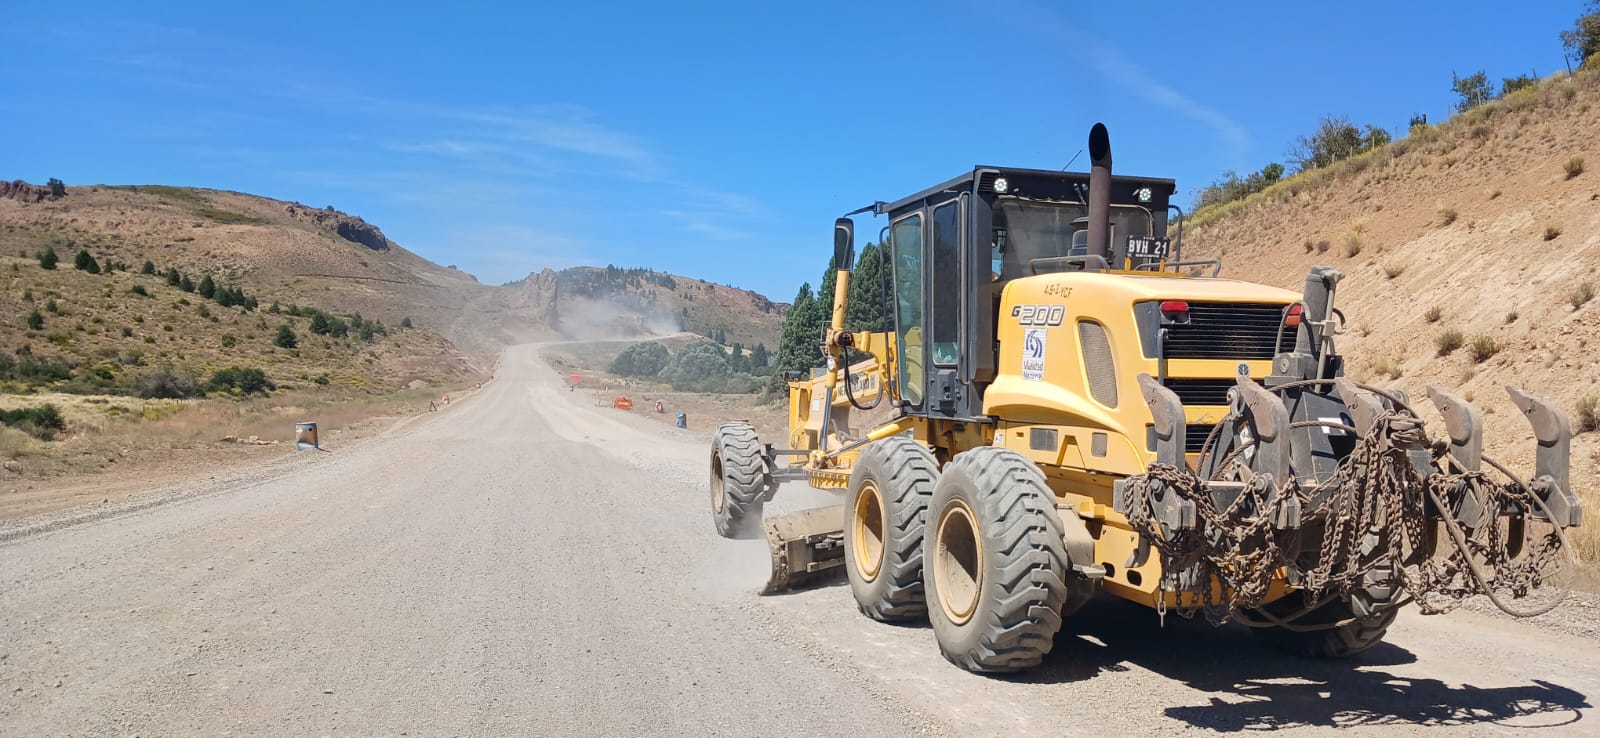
(1581, 295)
(1573, 167)
(1587, 414)
(1323, 246)
(1448, 216)
(1449, 341)
(1387, 367)
(1393, 269)
(1433, 314)
(1511, 317)
(1353, 245)
(1483, 348)
(1552, 232)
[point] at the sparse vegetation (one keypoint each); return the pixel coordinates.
(1310, 245)
(1581, 295)
(1573, 167)
(1447, 216)
(1433, 314)
(1387, 367)
(1511, 317)
(1483, 348)
(1449, 341)
(240, 381)
(139, 290)
(1323, 246)
(34, 320)
(1353, 245)
(1587, 414)
(1552, 232)
(1393, 269)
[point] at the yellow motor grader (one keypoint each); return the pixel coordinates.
(1064, 405)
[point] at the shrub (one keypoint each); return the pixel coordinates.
(286, 337)
(244, 380)
(208, 288)
(48, 258)
(1579, 296)
(645, 359)
(50, 306)
(173, 277)
(1588, 414)
(1447, 216)
(1552, 232)
(165, 384)
(35, 320)
(1494, 194)
(1511, 317)
(1449, 341)
(148, 268)
(127, 332)
(42, 422)
(139, 290)
(1323, 246)
(1393, 270)
(695, 364)
(404, 322)
(1484, 347)
(1352, 245)
(1387, 367)
(228, 341)
(1310, 246)
(84, 262)
(1433, 314)
(1473, 90)
(202, 312)
(186, 284)
(1574, 167)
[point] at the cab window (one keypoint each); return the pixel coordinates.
(906, 240)
(946, 277)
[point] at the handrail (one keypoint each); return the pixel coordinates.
(1105, 266)
(1216, 265)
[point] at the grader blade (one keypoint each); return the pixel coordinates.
(807, 548)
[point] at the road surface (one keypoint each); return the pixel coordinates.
(522, 564)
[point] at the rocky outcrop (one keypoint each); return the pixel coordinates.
(347, 227)
(22, 191)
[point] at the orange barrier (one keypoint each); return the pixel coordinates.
(623, 403)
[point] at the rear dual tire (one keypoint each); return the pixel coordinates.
(1339, 642)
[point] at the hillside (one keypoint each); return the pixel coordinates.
(1481, 225)
(317, 260)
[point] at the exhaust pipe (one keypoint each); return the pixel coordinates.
(1100, 192)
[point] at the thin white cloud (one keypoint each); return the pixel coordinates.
(1119, 69)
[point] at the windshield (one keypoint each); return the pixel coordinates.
(1025, 230)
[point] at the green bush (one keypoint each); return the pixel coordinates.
(244, 380)
(42, 422)
(84, 262)
(695, 364)
(1483, 348)
(286, 337)
(139, 290)
(35, 320)
(645, 359)
(48, 258)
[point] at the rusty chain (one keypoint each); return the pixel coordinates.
(1374, 517)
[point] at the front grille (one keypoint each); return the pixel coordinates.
(1194, 440)
(1229, 330)
(1201, 391)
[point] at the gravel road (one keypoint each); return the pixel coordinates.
(522, 564)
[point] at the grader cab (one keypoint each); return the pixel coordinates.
(1063, 405)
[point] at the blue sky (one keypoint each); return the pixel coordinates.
(716, 142)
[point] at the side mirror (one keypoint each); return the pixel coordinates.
(844, 244)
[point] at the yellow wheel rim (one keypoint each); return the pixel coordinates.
(958, 562)
(867, 531)
(718, 496)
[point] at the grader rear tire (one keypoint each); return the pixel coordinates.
(995, 564)
(887, 506)
(1333, 643)
(738, 480)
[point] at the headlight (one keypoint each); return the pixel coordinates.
(1001, 185)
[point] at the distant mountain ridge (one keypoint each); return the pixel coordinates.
(290, 253)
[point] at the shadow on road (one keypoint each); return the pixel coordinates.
(1260, 688)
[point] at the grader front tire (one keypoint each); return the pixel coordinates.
(995, 565)
(890, 488)
(738, 480)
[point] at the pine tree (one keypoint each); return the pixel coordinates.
(186, 284)
(868, 308)
(286, 337)
(758, 356)
(148, 268)
(48, 258)
(173, 277)
(208, 288)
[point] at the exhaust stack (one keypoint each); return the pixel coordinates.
(1100, 192)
